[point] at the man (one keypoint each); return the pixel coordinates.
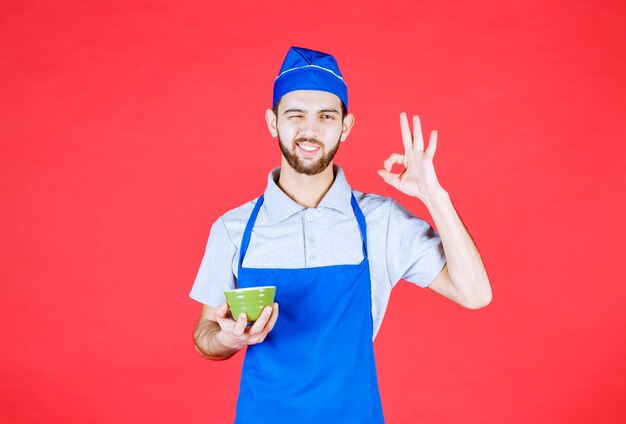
(334, 255)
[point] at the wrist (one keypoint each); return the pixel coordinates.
(224, 343)
(220, 340)
(435, 195)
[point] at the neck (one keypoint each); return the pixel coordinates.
(306, 190)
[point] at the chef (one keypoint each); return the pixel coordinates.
(334, 254)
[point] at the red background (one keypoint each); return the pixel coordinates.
(127, 127)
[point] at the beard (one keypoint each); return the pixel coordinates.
(308, 167)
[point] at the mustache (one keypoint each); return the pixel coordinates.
(308, 140)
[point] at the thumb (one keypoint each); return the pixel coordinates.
(389, 178)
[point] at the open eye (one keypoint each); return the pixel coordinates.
(326, 116)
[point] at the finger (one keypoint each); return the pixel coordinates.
(406, 132)
(259, 324)
(393, 158)
(240, 327)
(389, 178)
(273, 319)
(418, 139)
(221, 310)
(432, 144)
(221, 315)
(227, 329)
(225, 322)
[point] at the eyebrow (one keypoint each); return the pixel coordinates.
(304, 111)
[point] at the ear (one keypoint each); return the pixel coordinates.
(346, 126)
(270, 118)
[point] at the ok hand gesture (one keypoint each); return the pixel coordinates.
(418, 178)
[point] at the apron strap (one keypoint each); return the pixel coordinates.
(361, 220)
(245, 241)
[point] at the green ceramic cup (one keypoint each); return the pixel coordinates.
(250, 300)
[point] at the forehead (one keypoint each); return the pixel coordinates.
(304, 99)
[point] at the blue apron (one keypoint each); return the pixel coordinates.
(317, 364)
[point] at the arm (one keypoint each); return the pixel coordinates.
(464, 278)
(218, 337)
(205, 337)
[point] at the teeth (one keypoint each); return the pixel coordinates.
(307, 148)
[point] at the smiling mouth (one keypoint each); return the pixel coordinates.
(308, 149)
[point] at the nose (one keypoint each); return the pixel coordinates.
(309, 129)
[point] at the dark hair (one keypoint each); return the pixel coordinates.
(344, 112)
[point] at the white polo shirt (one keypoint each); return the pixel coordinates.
(400, 245)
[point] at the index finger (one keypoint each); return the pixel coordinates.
(407, 140)
(240, 326)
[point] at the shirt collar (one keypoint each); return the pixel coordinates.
(280, 206)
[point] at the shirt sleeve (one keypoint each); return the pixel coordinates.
(215, 274)
(414, 249)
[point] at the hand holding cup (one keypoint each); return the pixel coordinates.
(236, 334)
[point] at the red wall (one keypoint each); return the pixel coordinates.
(125, 130)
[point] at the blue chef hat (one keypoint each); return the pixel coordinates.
(305, 69)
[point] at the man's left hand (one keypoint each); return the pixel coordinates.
(418, 178)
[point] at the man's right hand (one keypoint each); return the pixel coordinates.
(235, 334)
